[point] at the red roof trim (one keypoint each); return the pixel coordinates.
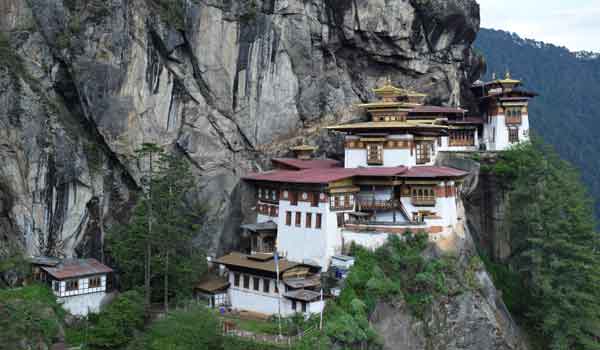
(325, 176)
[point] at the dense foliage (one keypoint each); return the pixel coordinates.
(397, 270)
(196, 328)
(566, 112)
(154, 249)
(556, 252)
(30, 317)
(115, 326)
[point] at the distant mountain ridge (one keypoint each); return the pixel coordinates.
(567, 112)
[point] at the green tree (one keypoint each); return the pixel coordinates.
(115, 326)
(177, 225)
(161, 230)
(555, 248)
(29, 316)
(196, 328)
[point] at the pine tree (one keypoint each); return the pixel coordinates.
(555, 248)
(161, 230)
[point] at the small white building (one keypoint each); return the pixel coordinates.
(214, 291)
(80, 285)
(254, 285)
(505, 109)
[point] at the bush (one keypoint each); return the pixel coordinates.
(29, 316)
(116, 325)
(197, 328)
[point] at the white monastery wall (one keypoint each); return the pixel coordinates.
(355, 158)
(81, 305)
(397, 157)
(300, 243)
(243, 299)
(369, 240)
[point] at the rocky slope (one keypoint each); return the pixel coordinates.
(473, 315)
(225, 83)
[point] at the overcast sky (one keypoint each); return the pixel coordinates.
(571, 23)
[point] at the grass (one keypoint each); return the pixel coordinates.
(254, 325)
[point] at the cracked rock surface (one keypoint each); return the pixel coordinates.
(225, 83)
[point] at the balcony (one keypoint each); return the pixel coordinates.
(341, 207)
(513, 119)
(368, 204)
(423, 201)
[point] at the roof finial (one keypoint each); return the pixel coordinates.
(494, 76)
(388, 81)
(507, 75)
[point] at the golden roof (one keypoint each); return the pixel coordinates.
(507, 79)
(389, 93)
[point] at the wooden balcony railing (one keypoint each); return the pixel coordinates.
(423, 201)
(368, 204)
(341, 207)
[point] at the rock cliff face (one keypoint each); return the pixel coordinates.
(225, 83)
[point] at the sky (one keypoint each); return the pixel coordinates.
(574, 24)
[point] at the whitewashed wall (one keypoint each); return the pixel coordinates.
(82, 287)
(301, 243)
(83, 304)
(355, 158)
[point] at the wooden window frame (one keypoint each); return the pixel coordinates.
(294, 305)
(303, 303)
(288, 218)
(236, 279)
(340, 219)
(293, 197)
(256, 283)
(246, 281)
(423, 152)
(308, 220)
(319, 221)
(423, 196)
(375, 153)
(298, 219)
(513, 135)
(95, 282)
(266, 285)
(71, 285)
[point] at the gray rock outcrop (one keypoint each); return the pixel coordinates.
(224, 83)
(472, 316)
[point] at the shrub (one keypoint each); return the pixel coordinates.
(196, 328)
(116, 325)
(29, 316)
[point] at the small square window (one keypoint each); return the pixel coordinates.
(318, 220)
(513, 135)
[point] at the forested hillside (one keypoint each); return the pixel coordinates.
(566, 112)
